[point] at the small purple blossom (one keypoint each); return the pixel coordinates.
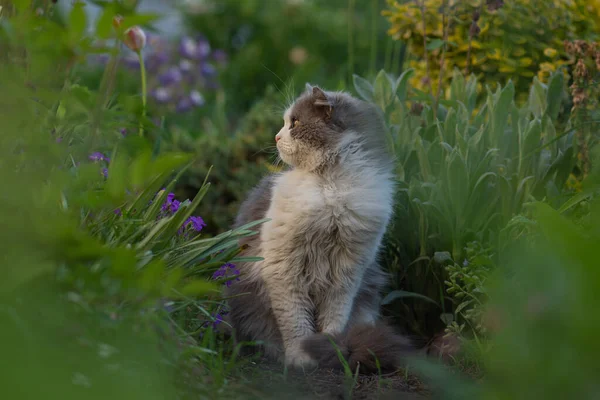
(220, 56)
(131, 61)
(123, 131)
(188, 48)
(118, 212)
(161, 95)
(465, 263)
(203, 49)
(196, 98)
(171, 205)
(170, 77)
(218, 320)
(156, 60)
(186, 66)
(208, 71)
(184, 105)
(196, 222)
(59, 139)
(227, 270)
(97, 156)
(105, 172)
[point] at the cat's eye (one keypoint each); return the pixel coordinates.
(294, 122)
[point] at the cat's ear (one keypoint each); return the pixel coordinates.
(309, 87)
(320, 97)
(321, 100)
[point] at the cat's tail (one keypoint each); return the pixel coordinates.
(372, 348)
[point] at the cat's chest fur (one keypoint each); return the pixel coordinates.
(314, 220)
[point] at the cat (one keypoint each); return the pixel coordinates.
(319, 280)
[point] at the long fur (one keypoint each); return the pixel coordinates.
(371, 348)
(328, 214)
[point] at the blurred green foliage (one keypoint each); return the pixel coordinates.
(520, 39)
(464, 172)
(237, 160)
(321, 41)
(103, 293)
(94, 270)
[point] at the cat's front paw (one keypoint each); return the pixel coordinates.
(298, 358)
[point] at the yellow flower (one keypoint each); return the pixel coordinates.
(550, 52)
(525, 62)
(574, 183)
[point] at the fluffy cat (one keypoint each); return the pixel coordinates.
(320, 279)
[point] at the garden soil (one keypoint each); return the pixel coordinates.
(269, 382)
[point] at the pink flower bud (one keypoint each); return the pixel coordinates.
(135, 38)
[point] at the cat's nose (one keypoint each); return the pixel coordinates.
(277, 137)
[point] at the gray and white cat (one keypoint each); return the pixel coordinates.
(320, 278)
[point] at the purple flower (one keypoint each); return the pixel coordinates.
(188, 48)
(102, 58)
(203, 49)
(213, 85)
(105, 172)
(197, 223)
(186, 66)
(184, 105)
(97, 156)
(59, 139)
(227, 270)
(218, 320)
(196, 98)
(207, 70)
(156, 59)
(173, 75)
(131, 61)
(220, 56)
(171, 204)
(161, 95)
(118, 212)
(123, 131)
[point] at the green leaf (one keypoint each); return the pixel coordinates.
(140, 169)
(401, 84)
(382, 93)
(363, 87)
(104, 27)
(139, 19)
(117, 177)
(441, 257)
(435, 44)
(573, 201)
(458, 86)
(21, 5)
(537, 98)
(501, 111)
(400, 294)
(151, 276)
(554, 94)
(77, 21)
(198, 287)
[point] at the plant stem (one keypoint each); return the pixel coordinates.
(468, 67)
(374, 9)
(350, 40)
(421, 5)
(446, 28)
(144, 91)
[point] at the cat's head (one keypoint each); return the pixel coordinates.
(320, 127)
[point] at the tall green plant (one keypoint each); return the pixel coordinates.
(464, 172)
